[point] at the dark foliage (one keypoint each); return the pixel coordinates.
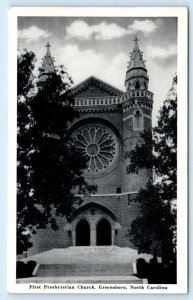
(154, 229)
(157, 273)
(24, 270)
(49, 166)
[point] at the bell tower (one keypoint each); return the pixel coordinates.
(137, 110)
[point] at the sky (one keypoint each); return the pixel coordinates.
(101, 46)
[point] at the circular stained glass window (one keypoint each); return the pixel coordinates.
(100, 146)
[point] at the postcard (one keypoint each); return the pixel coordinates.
(97, 155)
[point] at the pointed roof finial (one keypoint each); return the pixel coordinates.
(136, 39)
(48, 45)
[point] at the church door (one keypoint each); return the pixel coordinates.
(103, 233)
(82, 233)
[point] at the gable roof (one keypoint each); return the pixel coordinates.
(94, 87)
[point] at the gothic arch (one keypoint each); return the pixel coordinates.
(91, 205)
(92, 213)
(103, 232)
(82, 233)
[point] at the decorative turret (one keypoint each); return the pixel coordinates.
(137, 109)
(136, 75)
(47, 67)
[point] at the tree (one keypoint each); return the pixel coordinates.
(25, 78)
(154, 229)
(50, 168)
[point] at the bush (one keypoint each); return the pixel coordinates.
(24, 270)
(157, 273)
(142, 268)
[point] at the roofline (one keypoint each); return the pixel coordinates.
(111, 86)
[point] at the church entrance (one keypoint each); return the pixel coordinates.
(82, 233)
(103, 233)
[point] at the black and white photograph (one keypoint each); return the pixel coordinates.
(98, 100)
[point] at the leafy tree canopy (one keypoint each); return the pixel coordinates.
(155, 227)
(50, 168)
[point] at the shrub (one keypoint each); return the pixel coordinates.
(24, 270)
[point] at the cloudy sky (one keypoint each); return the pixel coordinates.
(101, 47)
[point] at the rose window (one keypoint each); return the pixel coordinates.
(100, 146)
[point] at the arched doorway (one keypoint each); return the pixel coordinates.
(82, 233)
(103, 233)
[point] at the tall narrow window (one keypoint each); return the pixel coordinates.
(118, 190)
(137, 85)
(138, 120)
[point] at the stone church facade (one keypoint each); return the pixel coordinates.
(109, 125)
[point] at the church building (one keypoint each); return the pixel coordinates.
(109, 125)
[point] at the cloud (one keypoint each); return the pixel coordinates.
(81, 64)
(32, 34)
(107, 31)
(79, 29)
(145, 26)
(101, 31)
(161, 53)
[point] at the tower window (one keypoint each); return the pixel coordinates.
(92, 211)
(138, 121)
(118, 190)
(137, 85)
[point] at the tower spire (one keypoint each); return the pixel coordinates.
(136, 75)
(136, 60)
(47, 67)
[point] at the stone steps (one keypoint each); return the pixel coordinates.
(87, 255)
(79, 262)
(84, 270)
(83, 280)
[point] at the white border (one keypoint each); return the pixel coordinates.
(182, 217)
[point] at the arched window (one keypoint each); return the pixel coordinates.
(137, 85)
(138, 120)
